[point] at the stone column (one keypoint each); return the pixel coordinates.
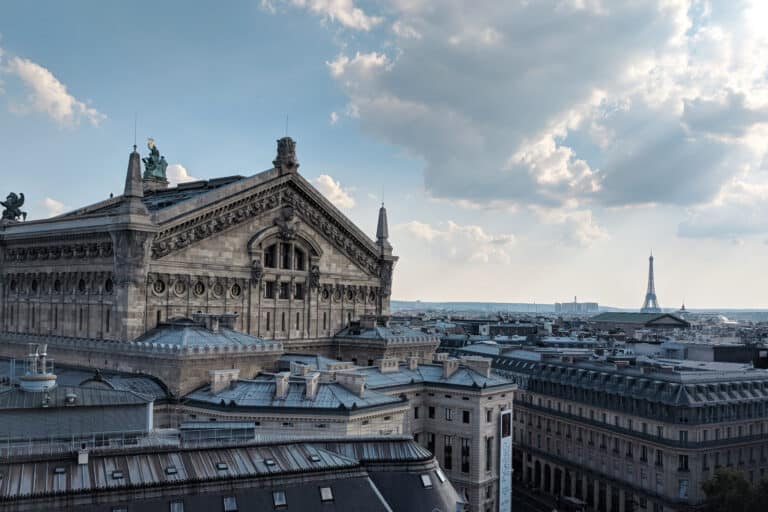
(622, 500)
(131, 259)
(608, 498)
(596, 485)
(563, 490)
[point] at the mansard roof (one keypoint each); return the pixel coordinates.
(640, 319)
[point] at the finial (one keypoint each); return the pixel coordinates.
(382, 229)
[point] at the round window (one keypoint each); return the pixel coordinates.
(13, 285)
(350, 294)
(199, 288)
(218, 289)
(159, 286)
(236, 291)
(180, 287)
(326, 294)
(108, 286)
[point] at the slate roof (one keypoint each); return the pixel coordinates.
(260, 393)
(395, 334)
(313, 361)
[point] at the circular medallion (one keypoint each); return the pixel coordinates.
(158, 287)
(236, 290)
(180, 287)
(199, 288)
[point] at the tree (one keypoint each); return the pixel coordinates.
(727, 491)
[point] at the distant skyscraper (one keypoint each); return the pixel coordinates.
(651, 305)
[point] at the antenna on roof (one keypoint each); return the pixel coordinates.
(286, 124)
(135, 123)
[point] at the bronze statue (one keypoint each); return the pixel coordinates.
(13, 204)
(154, 164)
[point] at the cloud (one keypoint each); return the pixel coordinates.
(610, 105)
(333, 190)
(53, 207)
(334, 118)
(48, 95)
(177, 173)
(740, 210)
(578, 227)
(460, 242)
(342, 11)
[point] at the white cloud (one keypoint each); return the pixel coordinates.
(53, 207)
(607, 104)
(739, 210)
(334, 118)
(578, 227)
(333, 190)
(460, 242)
(47, 94)
(177, 173)
(341, 11)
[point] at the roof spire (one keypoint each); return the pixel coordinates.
(382, 229)
(133, 186)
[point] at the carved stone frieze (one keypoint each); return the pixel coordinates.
(80, 251)
(58, 283)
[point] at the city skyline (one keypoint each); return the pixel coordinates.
(517, 165)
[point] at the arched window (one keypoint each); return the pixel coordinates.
(107, 321)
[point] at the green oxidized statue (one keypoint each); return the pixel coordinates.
(154, 164)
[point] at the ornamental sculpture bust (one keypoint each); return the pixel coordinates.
(12, 206)
(154, 164)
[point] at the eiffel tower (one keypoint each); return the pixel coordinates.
(651, 305)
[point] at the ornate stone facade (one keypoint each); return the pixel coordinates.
(269, 248)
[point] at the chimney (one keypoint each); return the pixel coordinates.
(354, 382)
(449, 367)
(281, 385)
(300, 369)
(481, 365)
(388, 364)
(222, 379)
(413, 362)
(312, 381)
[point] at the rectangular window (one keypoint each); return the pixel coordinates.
(282, 321)
(285, 254)
(683, 436)
(326, 494)
(270, 257)
(431, 412)
(465, 455)
(659, 458)
(298, 318)
(682, 463)
(279, 499)
(299, 293)
(269, 289)
(325, 320)
(488, 453)
(488, 415)
(268, 319)
(465, 416)
(448, 414)
(431, 442)
(230, 504)
(285, 290)
(416, 413)
(176, 506)
(447, 452)
(298, 259)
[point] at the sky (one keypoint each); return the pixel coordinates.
(525, 151)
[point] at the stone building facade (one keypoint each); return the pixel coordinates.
(268, 248)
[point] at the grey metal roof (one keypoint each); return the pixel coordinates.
(394, 334)
(317, 362)
(430, 374)
(14, 398)
(160, 199)
(260, 392)
(188, 333)
(144, 385)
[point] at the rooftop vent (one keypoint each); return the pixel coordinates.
(38, 375)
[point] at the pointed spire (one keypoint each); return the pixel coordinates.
(382, 229)
(133, 186)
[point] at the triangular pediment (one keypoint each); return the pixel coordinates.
(207, 215)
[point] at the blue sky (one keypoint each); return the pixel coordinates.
(525, 151)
